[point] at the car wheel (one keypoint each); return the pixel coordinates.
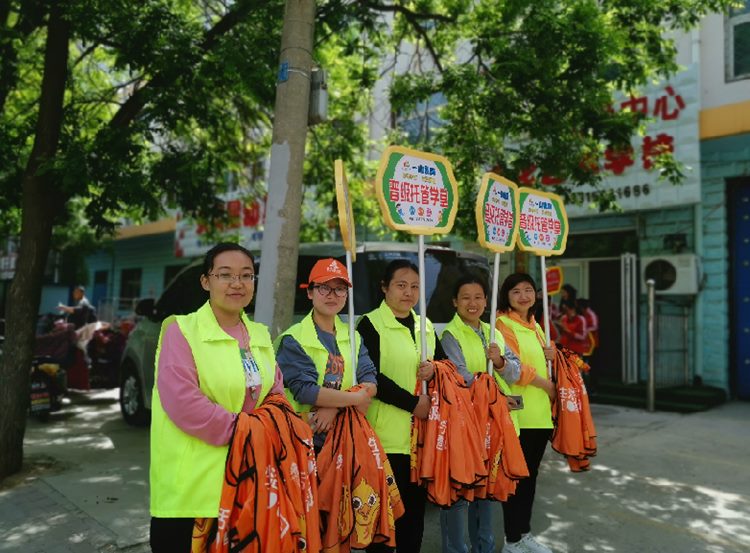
(131, 397)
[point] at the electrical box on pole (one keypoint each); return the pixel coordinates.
(318, 111)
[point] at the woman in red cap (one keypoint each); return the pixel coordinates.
(315, 354)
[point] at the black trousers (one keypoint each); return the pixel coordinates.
(171, 535)
(517, 510)
(410, 527)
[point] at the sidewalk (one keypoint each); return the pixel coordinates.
(662, 483)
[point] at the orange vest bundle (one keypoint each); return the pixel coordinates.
(269, 501)
(448, 456)
(506, 464)
(359, 501)
(574, 435)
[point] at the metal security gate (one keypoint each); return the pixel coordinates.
(671, 347)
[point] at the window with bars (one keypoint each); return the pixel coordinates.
(737, 38)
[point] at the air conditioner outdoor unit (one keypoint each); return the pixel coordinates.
(672, 274)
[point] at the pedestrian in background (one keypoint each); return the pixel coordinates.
(315, 354)
(392, 336)
(82, 313)
(525, 337)
(210, 365)
(592, 330)
(466, 341)
(573, 332)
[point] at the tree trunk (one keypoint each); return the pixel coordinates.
(39, 203)
(274, 302)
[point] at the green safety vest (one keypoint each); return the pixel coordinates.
(187, 473)
(537, 411)
(307, 337)
(399, 359)
(473, 351)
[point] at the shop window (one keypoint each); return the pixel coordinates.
(737, 39)
(130, 288)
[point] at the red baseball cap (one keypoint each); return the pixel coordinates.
(325, 270)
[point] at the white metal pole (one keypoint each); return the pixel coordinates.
(493, 306)
(545, 308)
(352, 334)
(422, 308)
(651, 397)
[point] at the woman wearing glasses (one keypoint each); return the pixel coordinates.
(315, 354)
(392, 336)
(210, 365)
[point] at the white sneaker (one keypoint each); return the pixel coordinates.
(529, 543)
(514, 547)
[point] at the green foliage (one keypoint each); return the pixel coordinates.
(165, 98)
(532, 82)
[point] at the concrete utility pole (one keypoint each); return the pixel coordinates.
(274, 302)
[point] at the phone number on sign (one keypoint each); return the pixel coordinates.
(634, 191)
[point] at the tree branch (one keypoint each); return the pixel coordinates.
(410, 14)
(415, 19)
(135, 104)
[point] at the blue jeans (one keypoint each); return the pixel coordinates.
(452, 525)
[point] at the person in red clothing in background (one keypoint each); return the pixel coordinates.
(573, 333)
(592, 328)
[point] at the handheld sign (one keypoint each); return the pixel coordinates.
(346, 225)
(543, 229)
(346, 216)
(554, 278)
(497, 213)
(543, 223)
(497, 227)
(417, 191)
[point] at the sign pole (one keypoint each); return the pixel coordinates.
(545, 307)
(348, 236)
(422, 308)
(493, 306)
(352, 334)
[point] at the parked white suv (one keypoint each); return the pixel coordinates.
(184, 295)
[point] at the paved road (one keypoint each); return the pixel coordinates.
(662, 483)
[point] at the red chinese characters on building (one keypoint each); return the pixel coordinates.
(664, 108)
(652, 147)
(618, 160)
(536, 223)
(420, 194)
(498, 216)
(667, 107)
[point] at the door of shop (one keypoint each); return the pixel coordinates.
(739, 298)
(602, 281)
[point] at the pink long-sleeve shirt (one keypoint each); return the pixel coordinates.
(180, 394)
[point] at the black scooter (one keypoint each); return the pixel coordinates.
(48, 386)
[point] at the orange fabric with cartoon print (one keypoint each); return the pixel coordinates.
(447, 452)
(269, 500)
(359, 500)
(506, 464)
(574, 435)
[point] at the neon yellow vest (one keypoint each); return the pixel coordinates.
(307, 337)
(473, 351)
(399, 359)
(186, 472)
(536, 412)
